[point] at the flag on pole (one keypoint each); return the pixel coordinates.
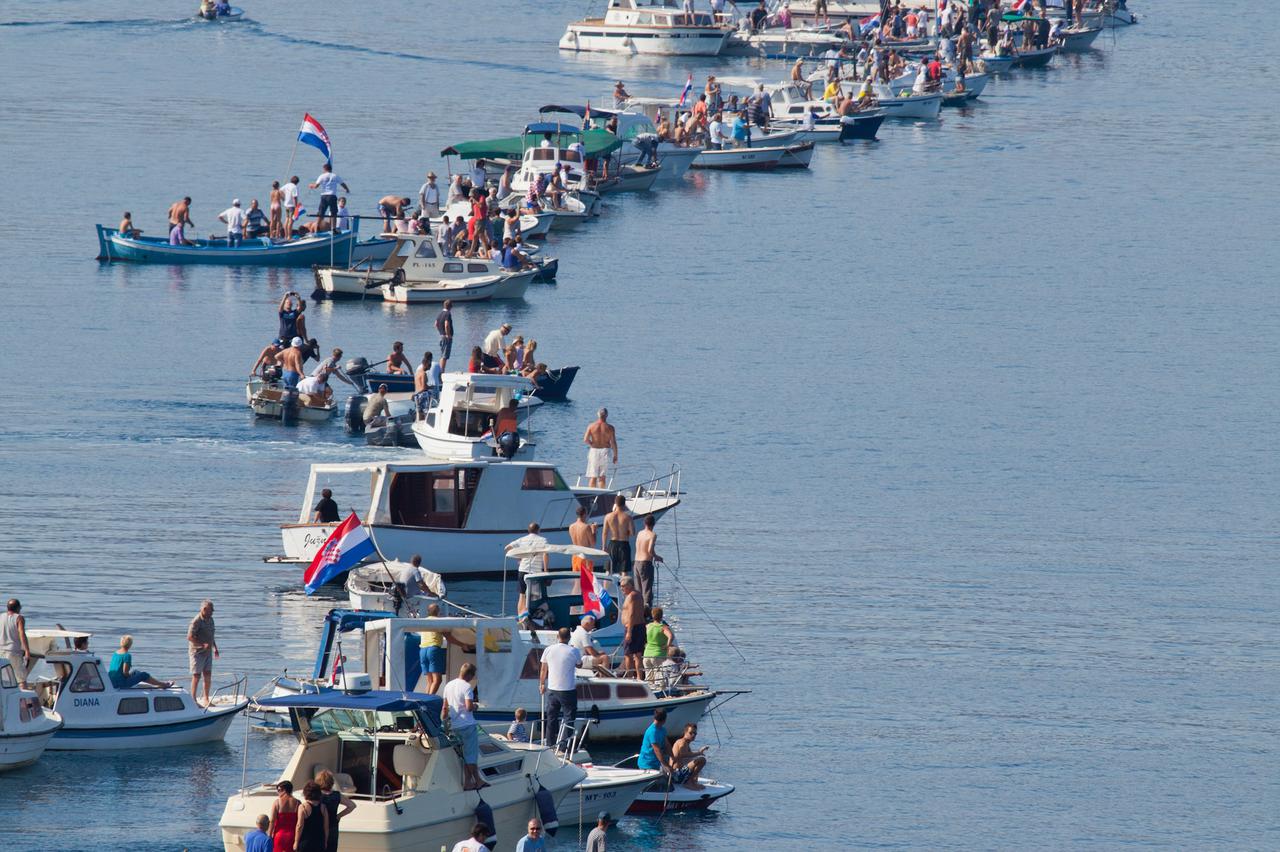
(1018, 5)
(688, 87)
(348, 546)
(869, 24)
(299, 212)
(312, 133)
(595, 602)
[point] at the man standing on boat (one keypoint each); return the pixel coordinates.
(581, 532)
(326, 511)
(618, 532)
(494, 345)
(291, 363)
(529, 564)
(202, 649)
(328, 184)
(179, 218)
(444, 327)
(423, 391)
(645, 557)
(234, 218)
(289, 197)
(602, 438)
(429, 198)
(633, 637)
(13, 640)
(557, 676)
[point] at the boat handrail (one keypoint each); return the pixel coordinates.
(235, 689)
(645, 488)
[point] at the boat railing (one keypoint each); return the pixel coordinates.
(231, 692)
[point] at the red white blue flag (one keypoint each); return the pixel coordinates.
(312, 133)
(348, 546)
(688, 87)
(869, 24)
(595, 602)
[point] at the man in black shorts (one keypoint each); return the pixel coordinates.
(633, 622)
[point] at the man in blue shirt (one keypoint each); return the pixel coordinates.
(654, 753)
(257, 840)
(533, 841)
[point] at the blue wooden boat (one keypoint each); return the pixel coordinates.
(320, 249)
(554, 388)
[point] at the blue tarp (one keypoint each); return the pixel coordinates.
(370, 701)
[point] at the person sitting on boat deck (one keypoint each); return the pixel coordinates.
(423, 391)
(206, 10)
(538, 375)
(494, 342)
(397, 364)
(126, 229)
(475, 364)
(268, 357)
(518, 732)
(391, 207)
(122, 673)
(1006, 47)
(233, 216)
(255, 221)
(759, 17)
(581, 639)
(513, 258)
(317, 385)
(506, 420)
(741, 130)
(179, 218)
(716, 134)
(797, 77)
(831, 92)
(291, 363)
(654, 751)
(688, 761)
(326, 510)
(376, 410)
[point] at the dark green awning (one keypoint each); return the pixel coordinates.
(595, 143)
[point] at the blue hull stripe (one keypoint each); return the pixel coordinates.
(142, 730)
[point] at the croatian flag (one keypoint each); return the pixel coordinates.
(594, 601)
(312, 133)
(299, 212)
(346, 548)
(1018, 5)
(869, 24)
(688, 87)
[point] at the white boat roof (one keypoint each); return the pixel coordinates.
(377, 466)
(493, 380)
(739, 81)
(566, 549)
(41, 633)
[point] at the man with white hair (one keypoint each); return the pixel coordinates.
(581, 639)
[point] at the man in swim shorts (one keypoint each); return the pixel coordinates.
(291, 363)
(602, 440)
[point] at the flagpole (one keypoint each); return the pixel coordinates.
(289, 168)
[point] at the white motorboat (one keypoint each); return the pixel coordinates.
(1112, 13)
(26, 726)
(639, 135)
(629, 178)
(606, 788)
(994, 63)
(798, 156)
(372, 586)
(782, 43)
(648, 26)
(836, 10)
(274, 400)
(389, 753)
(1078, 39)
(550, 146)
(417, 260)
(768, 150)
(461, 422)
(481, 288)
(1037, 57)
(906, 105)
(661, 796)
(459, 514)
(97, 715)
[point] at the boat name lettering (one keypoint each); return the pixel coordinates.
(86, 702)
(313, 540)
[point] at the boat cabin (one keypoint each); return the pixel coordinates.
(656, 13)
(472, 413)
(418, 256)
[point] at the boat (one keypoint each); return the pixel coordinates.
(648, 26)
(836, 10)
(1078, 39)
(760, 158)
(389, 752)
(372, 587)
(640, 142)
(235, 14)
(994, 64)
(459, 513)
(631, 177)
(96, 715)
(460, 423)
(272, 399)
(554, 386)
(861, 125)
(26, 725)
(416, 271)
(782, 43)
(373, 250)
(606, 788)
(1113, 13)
(1034, 58)
(661, 796)
(328, 248)
(797, 156)
(906, 105)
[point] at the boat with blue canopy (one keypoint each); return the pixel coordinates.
(331, 248)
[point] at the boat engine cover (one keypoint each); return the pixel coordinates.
(353, 415)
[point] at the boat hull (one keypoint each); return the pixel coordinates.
(860, 127)
(740, 159)
(210, 726)
(916, 108)
(656, 800)
(797, 156)
(19, 750)
(599, 37)
(1081, 41)
(303, 252)
(375, 250)
(265, 405)
(615, 795)
(1034, 58)
(675, 162)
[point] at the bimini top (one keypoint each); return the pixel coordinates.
(578, 110)
(527, 550)
(595, 143)
(369, 701)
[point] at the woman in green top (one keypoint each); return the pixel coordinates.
(122, 673)
(657, 637)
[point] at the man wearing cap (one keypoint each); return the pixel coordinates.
(328, 184)
(291, 363)
(596, 839)
(234, 217)
(429, 197)
(268, 357)
(494, 346)
(376, 411)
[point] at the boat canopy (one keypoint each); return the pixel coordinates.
(578, 110)
(528, 550)
(374, 701)
(1014, 17)
(595, 143)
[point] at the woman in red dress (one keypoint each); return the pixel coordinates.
(284, 818)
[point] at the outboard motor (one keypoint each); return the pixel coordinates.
(289, 407)
(508, 443)
(272, 374)
(353, 415)
(356, 368)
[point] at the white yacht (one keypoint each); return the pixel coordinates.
(648, 26)
(26, 726)
(462, 422)
(389, 752)
(97, 715)
(458, 514)
(417, 263)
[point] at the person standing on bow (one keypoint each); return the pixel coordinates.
(601, 439)
(202, 648)
(328, 184)
(619, 529)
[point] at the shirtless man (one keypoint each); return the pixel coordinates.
(396, 362)
(618, 531)
(601, 438)
(179, 218)
(581, 532)
(687, 761)
(392, 207)
(291, 360)
(645, 557)
(422, 384)
(267, 357)
(633, 623)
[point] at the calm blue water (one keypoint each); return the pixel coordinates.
(977, 423)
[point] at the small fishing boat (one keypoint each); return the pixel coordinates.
(416, 260)
(462, 512)
(372, 587)
(906, 105)
(648, 26)
(373, 250)
(861, 125)
(390, 753)
(797, 156)
(327, 248)
(553, 387)
(1114, 13)
(26, 726)
(606, 788)
(97, 715)
(640, 142)
(629, 178)
(662, 796)
(1034, 58)
(995, 64)
(1078, 39)
(782, 43)
(461, 422)
(272, 399)
(235, 14)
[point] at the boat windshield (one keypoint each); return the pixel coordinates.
(331, 721)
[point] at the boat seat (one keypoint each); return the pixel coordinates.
(341, 780)
(410, 763)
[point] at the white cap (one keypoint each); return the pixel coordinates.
(235, 202)
(299, 342)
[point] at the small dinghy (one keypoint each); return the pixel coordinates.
(26, 726)
(1035, 58)
(235, 13)
(272, 399)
